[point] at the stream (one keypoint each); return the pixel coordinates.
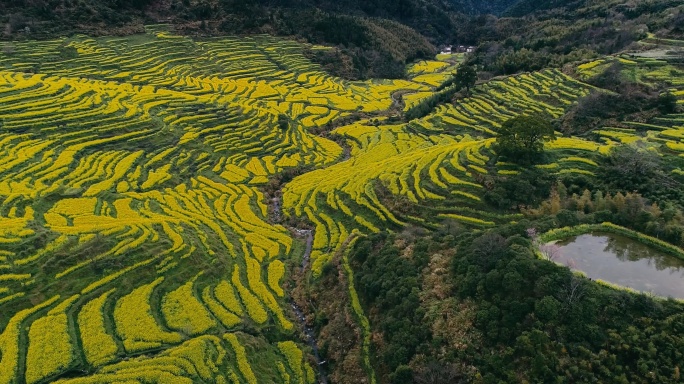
(276, 216)
(311, 340)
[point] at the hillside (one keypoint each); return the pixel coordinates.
(536, 34)
(584, 8)
(475, 7)
(376, 38)
(178, 210)
(305, 192)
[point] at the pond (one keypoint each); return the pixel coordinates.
(623, 261)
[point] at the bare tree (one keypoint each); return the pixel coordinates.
(572, 292)
(8, 49)
(437, 373)
(489, 247)
(551, 252)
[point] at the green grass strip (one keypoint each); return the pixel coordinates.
(356, 306)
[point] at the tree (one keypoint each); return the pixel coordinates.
(465, 77)
(667, 103)
(522, 138)
(283, 122)
(629, 167)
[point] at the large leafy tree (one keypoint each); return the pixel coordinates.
(465, 77)
(522, 138)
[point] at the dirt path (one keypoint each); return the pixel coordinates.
(398, 103)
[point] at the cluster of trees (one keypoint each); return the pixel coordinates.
(629, 210)
(390, 284)
(528, 188)
(553, 32)
(499, 314)
(633, 188)
(628, 100)
(628, 168)
(539, 323)
(633, 169)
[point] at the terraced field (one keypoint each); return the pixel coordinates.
(434, 162)
(664, 134)
(135, 244)
(132, 219)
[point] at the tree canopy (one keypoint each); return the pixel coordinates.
(522, 138)
(465, 77)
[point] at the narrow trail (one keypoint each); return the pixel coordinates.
(398, 103)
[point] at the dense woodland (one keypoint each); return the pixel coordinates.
(376, 38)
(554, 33)
(457, 305)
(497, 314)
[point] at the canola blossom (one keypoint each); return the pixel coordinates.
(134, 180)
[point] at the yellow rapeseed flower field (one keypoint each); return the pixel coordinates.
(146, 184)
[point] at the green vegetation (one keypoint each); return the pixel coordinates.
(538, 34)
(465, 77)
(223, 209)
(371, 39)
(502, 315)
(522, 138)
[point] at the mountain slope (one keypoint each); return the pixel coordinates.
(376, 38)
(537, 34)
(577, 9)
(429, 16)
(475, 7)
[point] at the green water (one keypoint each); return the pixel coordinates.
(625, 262)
